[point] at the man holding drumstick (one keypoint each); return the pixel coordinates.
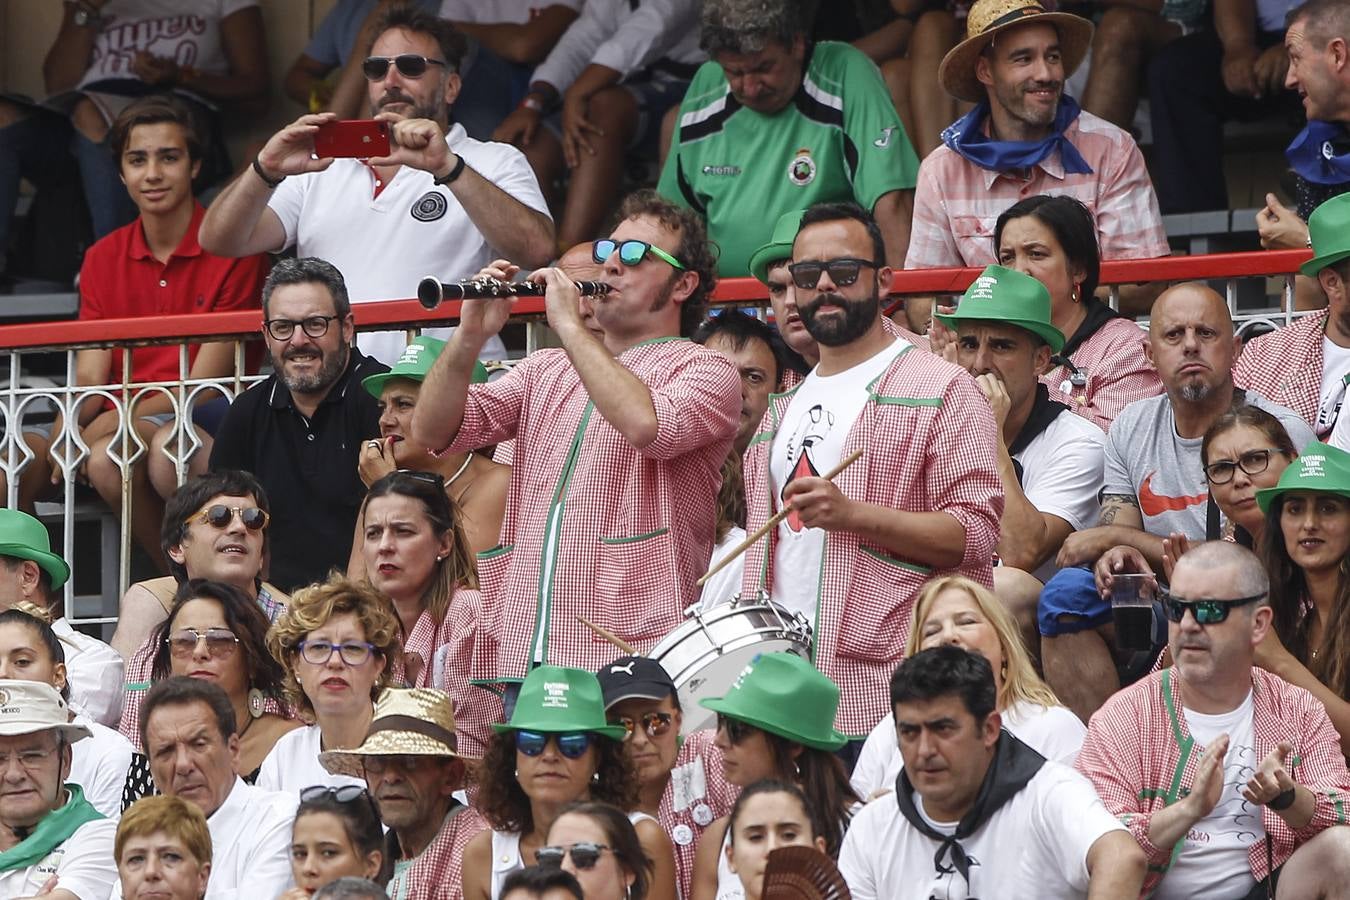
(619, 444)
(924, 496)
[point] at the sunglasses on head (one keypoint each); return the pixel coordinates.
(220, 642)
(572, 744)
(585, 855)
(654, 723)
(630, 252)
(409, 65)
(1207, 611)
(843, 270)
(344, 794)
(218, 515)
(435, 479)
(736, 730)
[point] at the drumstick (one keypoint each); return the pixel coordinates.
(608, 635)
(773, 520)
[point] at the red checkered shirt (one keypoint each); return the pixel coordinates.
(929, 439)
(1140, 756)
(956, 203)
(707, 796)
(437, 872)
(451, 653)
(1285, 366)
(1117, 374)
(594, 527)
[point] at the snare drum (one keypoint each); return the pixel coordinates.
(706, 654)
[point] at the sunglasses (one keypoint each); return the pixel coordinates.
(218, 515)
(220, 642)
(313, 326)
(572, 745)
(736, 730)
(843, 271)
(584, 855)
(654, 723)
(630, 252)
(344, 794)
(318, 653)
(378, 764)
(432, 478)
(1208, 611)
(1253, 462)
(409, 65)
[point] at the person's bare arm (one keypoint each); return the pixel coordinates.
(476, 871)
(1235, 23)
(70, 53)
(1273, 656)
(139, 613)
(524, 44)
(247, 78)
(656, 843)
(303, 77)
(1121, 522)
(1116, 867)
(706, 857)
(887, 42)
(894, 212)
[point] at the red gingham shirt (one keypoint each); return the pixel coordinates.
(1117, 373)
(1285, 366)
(718, 797)
(437, 872)
(1139, 746)
(625, 532)
(929, 440)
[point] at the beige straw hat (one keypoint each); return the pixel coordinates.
(408, 721)
(986, 19)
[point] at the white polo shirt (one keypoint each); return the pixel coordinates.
(94, 670)
(1062, 474)
(384, 245)
(83, 865)
(99, 764)
(293, 764)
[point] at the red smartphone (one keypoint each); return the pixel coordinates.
(353, 139)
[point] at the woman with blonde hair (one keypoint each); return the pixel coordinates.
(956, 610)
(338, 642)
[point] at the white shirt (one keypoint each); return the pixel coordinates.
(384, 245)
(1052, 731)
(187, 31)
(1213, 861)
(809, 442)
(1062, 469)
(99, 764)
(1034, 845)
(95, 672)
(624, 36)
(726, 584)
(499, 12)
(83, 865)
(1335, 371)
(293, 764)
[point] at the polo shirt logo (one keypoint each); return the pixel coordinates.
(429, 207)
(721, 170)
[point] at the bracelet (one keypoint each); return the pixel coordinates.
(452, 175)
(264, 177)
(1283, 800)
(532, 102)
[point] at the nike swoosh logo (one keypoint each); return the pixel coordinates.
(1151, 504)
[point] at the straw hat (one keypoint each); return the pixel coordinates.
(986, 19)
(27, 707)
(408, 721)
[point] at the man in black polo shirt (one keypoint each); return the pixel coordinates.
(300, 431)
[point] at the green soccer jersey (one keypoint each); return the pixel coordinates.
(839, 139)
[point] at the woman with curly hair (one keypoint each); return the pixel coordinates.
(556, 750)
(337, 641)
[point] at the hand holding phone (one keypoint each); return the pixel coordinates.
(352, 139)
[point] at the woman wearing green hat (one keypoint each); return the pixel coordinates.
(1306, 550)
(777, 721)
(557, 749)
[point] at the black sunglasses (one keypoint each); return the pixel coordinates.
(843, 270)
(736, 730)
(409, 65)
(1207, 611)
(344, 794)
(584, 855)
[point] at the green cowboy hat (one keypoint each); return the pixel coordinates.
(556, 700)
(779, 245)
(783, 694)
(1008, 296)
(414, 365)
(1328, 234)
(1319, 468)
(24, 537)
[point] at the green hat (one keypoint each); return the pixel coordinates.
(555, 700)
(1329, 234)
(785, 695)
(779, 246)
(1319, 468)
(414, 365)
(1008, 296)
(24, 537)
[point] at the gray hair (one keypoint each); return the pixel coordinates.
(747, 26)
(308, 270)
(1250, 574)
(350, 888)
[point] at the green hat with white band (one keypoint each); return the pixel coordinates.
(414, 364)
(1005, 295)
(783, 694)
(1328, 234)
(558, 700)
(1319, 468)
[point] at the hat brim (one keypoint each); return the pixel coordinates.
(374, 384)
(764, 256)
(1318, 263)
(648, 691)
(69, 730)
(385, 743)
(1266, 496)
(832, 742)
(56, 568)
(1048, 333)
(613, 732)
(957, 71)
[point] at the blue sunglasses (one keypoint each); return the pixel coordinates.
(572, 745)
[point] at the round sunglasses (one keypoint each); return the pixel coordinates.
(218, 515)
(654, 723)
(572, 744)
(585, 855)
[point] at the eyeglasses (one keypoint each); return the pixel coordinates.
(630, 252)
(1253, 462)
(1207, 611)
(654, 723)
(219, 515)
(344, 794)
(572, 745)
(843, 271)
(584, 855)
(318, 653)
(409, 65)
(220, 642)
(736, 730)
(313, 326)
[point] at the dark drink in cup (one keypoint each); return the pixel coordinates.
(1132, 611)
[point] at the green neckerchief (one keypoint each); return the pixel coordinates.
(53, 831)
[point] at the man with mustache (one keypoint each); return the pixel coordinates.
(925, 496)
(1230, 778)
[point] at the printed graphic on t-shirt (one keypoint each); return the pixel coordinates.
(813, 428)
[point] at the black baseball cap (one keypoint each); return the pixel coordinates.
(634, 677)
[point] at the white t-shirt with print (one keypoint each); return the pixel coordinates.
(1213, 861)
(1335, 371)
(810, 442)
(186, 31)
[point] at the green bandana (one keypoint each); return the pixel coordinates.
(53, 831)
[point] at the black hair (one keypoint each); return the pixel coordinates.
(741, 328)
(1073, 226)
(180, 690)
(359, 820)
(153, 110)
(21, 615)
(539, 880)
(695, 252)
(844, 211)
(944, 671)
(409, 17)
(193, 495)
(309, 270)
(767, 786)
(622, 838)
(350, 888)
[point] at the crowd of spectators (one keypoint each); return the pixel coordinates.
(1067, 601)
